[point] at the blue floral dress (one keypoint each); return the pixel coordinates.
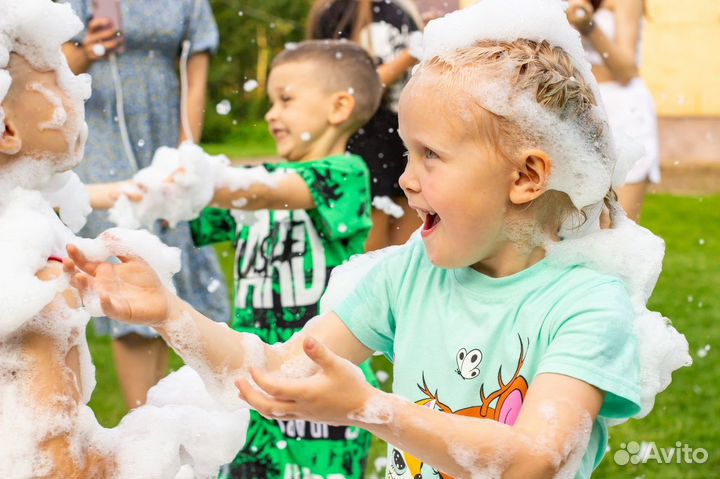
(154, 31)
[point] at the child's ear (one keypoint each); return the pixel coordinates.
(342, 108)
(10, 141)
(531, 177)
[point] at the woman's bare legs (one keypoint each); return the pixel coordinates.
(631, 197)
(140, 363)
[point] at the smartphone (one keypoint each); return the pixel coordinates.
(110, 9)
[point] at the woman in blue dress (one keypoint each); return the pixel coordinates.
(146, 57)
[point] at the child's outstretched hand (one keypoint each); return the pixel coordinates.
(335, 393)
(129, 291)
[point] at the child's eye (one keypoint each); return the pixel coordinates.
(429, 154)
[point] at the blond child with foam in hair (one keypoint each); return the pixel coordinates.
(508, 363)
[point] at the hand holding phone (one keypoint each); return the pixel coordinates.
(105, 30)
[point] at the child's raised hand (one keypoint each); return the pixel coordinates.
(333, 394)
(130, 291)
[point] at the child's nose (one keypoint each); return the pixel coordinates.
(408, 181)
(270, 114)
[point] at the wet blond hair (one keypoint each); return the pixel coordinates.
(548, 73)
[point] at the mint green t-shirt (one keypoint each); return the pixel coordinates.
(451, 333)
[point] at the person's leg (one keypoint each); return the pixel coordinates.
(140, 363)
(380, 232)
(401, 228)
(631, 197)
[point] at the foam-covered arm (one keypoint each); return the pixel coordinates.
(289, 192)
(195, 337)
(221, 356)
(549, 436)
(620, 56)
(104, 195)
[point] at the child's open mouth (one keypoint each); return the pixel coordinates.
(431, 222)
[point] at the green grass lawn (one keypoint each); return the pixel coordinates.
(687, 413)
(250, 140)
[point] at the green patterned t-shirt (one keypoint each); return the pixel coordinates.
(283, 260)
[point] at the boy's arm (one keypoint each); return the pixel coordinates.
(551, 432)
(290, 193)
(104, 195)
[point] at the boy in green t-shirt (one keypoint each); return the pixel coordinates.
(289, 237)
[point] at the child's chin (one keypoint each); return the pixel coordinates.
(438, 259)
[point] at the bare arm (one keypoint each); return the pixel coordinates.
(104, 195)
(548, 432)
(551, 432)
(197, 74)
(291, 193)
(131, 292)
(225, 349)
(394, 70)
(619, 55)
(81, 57)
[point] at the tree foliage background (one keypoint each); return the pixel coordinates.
(252, 32)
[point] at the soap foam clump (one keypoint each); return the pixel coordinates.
(179, 183)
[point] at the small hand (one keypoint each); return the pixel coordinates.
(129, 291)
(330, 395)
(101, 39)
(580, 15)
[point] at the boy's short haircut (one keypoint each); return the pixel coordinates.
(345, 67)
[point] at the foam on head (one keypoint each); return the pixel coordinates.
(346, 67)
(36, 30)
(529, 72)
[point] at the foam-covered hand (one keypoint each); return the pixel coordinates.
(130, 291)
(333, 394)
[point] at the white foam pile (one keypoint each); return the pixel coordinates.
(387, 206)
(179, 183)
(181, 431)
(30, 233)
(344, 278)
(67, 195)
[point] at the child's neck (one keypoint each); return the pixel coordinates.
(509, 260)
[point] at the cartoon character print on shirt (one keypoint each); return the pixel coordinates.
(502, 405)
(468, 363)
